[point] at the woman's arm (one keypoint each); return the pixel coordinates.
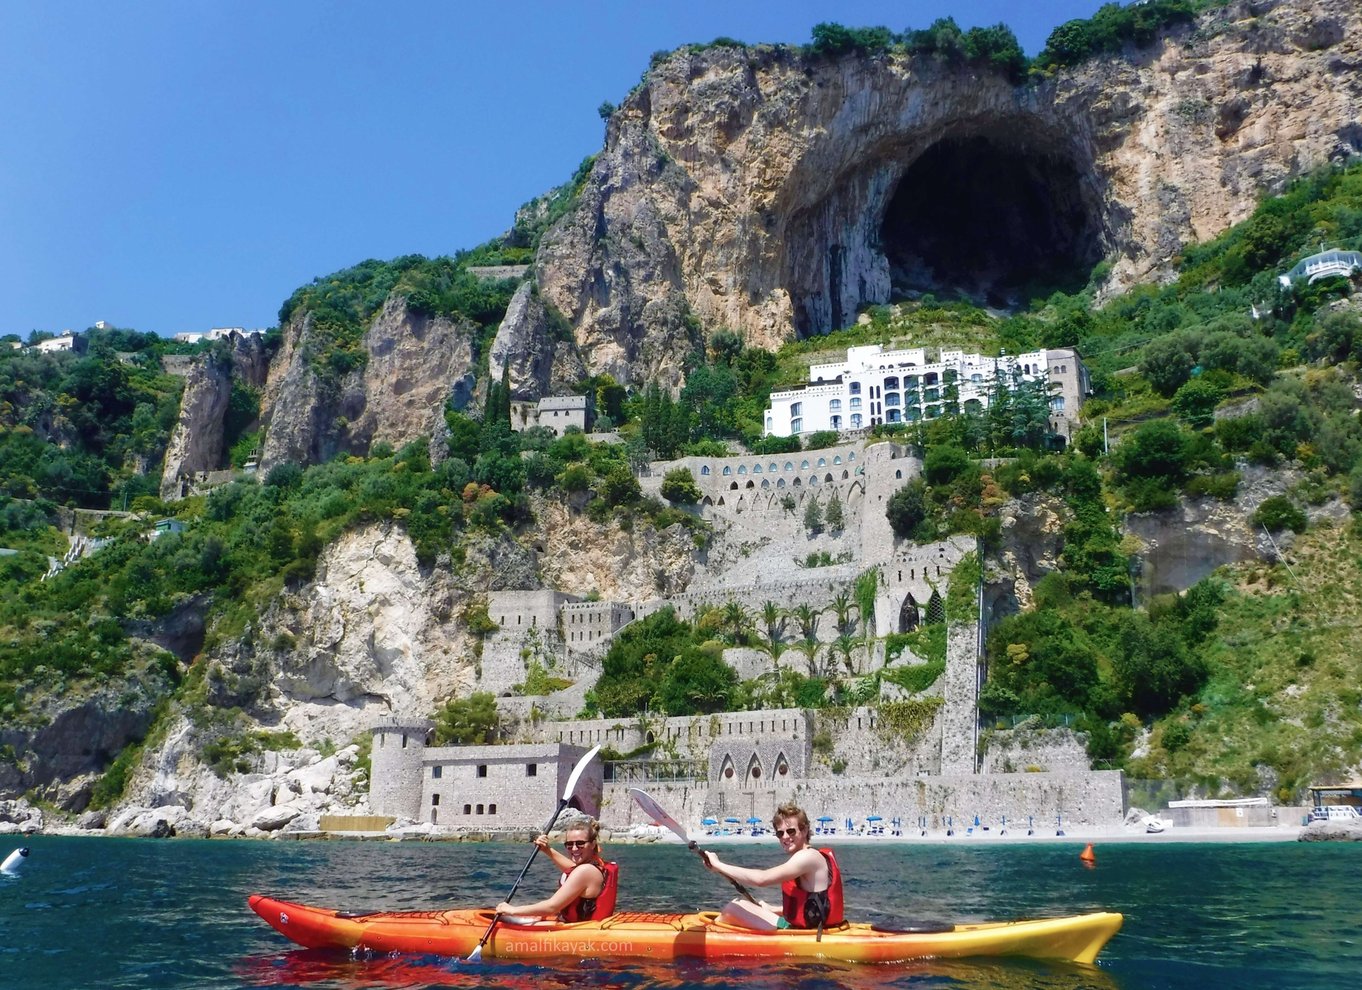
(560, 859)
(793, 867)
(573, 887)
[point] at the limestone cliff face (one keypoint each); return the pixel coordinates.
(775, 193)
(580, 557)
(197, 441)
(414, 363)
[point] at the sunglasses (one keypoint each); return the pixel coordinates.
(576, 843)
(782, 832)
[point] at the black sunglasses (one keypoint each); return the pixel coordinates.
(575, 843)
(787, 831)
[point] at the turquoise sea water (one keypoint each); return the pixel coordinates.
(130, 913)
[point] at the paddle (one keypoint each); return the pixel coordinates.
(476, 954)
(655, 811)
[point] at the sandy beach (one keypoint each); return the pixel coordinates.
(1078, 835)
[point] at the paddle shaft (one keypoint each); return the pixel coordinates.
(659, 814)
(562, 803)
(695, 847)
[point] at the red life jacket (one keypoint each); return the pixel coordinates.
(603, 904)
(806, 909)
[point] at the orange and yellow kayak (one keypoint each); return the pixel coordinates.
(639, 935)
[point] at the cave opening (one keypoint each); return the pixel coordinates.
(996, 224)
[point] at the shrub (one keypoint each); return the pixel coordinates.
(679, 487)
(1278, 513)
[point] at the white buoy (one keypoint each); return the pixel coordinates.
(13, 861)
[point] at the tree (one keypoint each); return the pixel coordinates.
(773, 620)
(907, 509)
(813, 516)
(471, 721)
(679, 487)
(833, 514)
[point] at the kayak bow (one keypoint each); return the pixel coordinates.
(642, 935)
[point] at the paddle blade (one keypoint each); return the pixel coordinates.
(476, 954)
(577, 773)
(656, 812)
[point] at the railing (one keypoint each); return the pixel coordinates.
(630, 771)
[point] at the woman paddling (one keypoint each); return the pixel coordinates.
(586, 890)
(811, 882)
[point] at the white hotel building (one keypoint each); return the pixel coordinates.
(875, 386)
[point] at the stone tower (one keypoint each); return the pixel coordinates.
(395, 765)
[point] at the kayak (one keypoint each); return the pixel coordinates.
(641, 935)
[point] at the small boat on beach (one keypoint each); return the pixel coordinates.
(643, 935)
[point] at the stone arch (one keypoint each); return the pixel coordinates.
(789, 465)
(704, 471)
(813, 479)
(804, 464)
(845, 475)
(780, 482)
(756, 469)
(727, 470)
(727, 772)
(732, 486)
(909, 616)
(721, 500)
(742, 470)
(827, 478)
(772, 468)
(936, 608)
(751, 483)
(837, 459)
(797, 483)
(754, 770)
(898, 474)
(822, 462)
(706, 501)
(765, 482)
(781, 768)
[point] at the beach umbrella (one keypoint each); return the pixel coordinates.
(734, 821)
(709, 821)
(754, 820)
(873, 818)
(824, 818)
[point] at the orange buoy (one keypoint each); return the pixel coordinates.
(1088, 856)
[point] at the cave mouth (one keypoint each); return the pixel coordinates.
(999, 225)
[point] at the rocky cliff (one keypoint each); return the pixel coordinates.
(196, 444)
(776, 192)
(413, 364)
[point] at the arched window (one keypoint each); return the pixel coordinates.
(756, 469)
(704, 471)
(742, 469)
(727, 471)
(891, 384)
(772, 467)
(822, 462)
(837, 459)
(789, 465)
(803, 465)
(834, 405)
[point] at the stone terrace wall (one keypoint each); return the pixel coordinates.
(1048, 749)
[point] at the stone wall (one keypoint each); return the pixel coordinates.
(508, 786)
(1089, 798)
(399, 746)
(1043, 749)
(959, 713)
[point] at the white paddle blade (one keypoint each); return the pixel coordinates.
(577, 772)
(657, 813)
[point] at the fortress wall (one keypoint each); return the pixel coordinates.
(399, 746)
(961, 692)
(517, 611)
(1021, 749)
(691, 736)
(1086, 798)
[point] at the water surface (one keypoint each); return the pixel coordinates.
(147, 914)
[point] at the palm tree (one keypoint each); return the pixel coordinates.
(807, 618)
(846, 644)
(841, 608)
(810, 646)
(773, 619)
(736, 620)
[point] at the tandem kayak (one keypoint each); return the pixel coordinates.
(641, 935)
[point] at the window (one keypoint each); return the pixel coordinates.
(482, 772)
(855, 421)
(434, 800)
(531, 769)
(890, 384)
(836, 422)
(756, 772)
(480, 809)
(727, 471)
(704, 471)
(854, 388)
(855, 403)
(742, 469)
(796, 426)
(468, 809)
(491, 809)
(891, 400)
(834, 405)
(436, 773)
(803, 465)
(796, 409)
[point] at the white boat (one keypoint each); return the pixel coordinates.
(1154, 824)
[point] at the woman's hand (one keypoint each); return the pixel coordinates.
(542, 841)
(504, 908)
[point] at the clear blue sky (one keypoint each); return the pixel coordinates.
(175, 165)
